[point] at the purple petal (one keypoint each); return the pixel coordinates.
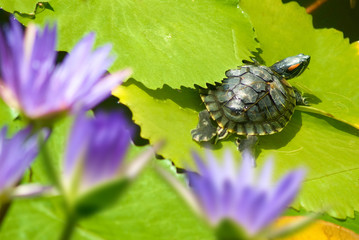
(202, 167)
(226, 205)
(245, 174)
(228, 194)
(206, 194)
(241, 205)
(101, 144)
(254, 210)
(265, 178)
(11, 55)
(77, 144)
(212, 170)
(16, 154)
(283, 194)
(33, 83)
(103, 88)
(228, 166)
(79, 75)
(37, 71)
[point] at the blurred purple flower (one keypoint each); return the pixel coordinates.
(96, 149)
(224, 192)
(33, 84)
(16, 155)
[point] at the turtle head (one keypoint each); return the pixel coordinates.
(291, 67)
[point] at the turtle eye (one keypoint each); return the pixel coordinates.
(291, 68)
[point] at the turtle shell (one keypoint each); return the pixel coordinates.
(252, 100)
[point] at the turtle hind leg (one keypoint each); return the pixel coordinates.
(205, 130)
(247, 147)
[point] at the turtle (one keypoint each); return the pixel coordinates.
(252, 100)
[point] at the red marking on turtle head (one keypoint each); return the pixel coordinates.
(291, 68)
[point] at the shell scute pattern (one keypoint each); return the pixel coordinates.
(263, 72)
(252, 100)
(223, 96)
(254, 82)
(247, 94)
(230, 83)
(235, 72)
(255, 115)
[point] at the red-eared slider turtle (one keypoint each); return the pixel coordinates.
(253, 100)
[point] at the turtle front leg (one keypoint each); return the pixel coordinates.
(247, 147)
(299, 98)
(205, 130)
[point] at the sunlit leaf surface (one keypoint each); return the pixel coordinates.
(165, 42)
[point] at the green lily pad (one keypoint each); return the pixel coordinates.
(164, 42)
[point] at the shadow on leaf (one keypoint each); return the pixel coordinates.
(281, 139)
(184, 97)
(339, 125)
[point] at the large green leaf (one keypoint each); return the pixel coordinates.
(150, 209)
(332, 79)
(165, 42)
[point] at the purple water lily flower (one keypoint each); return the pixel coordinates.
(226, 192)
(96, 149)
(32, 83)
(16, 155)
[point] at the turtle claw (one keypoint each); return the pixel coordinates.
(299, 98)
(304, 101)
(205, 130)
